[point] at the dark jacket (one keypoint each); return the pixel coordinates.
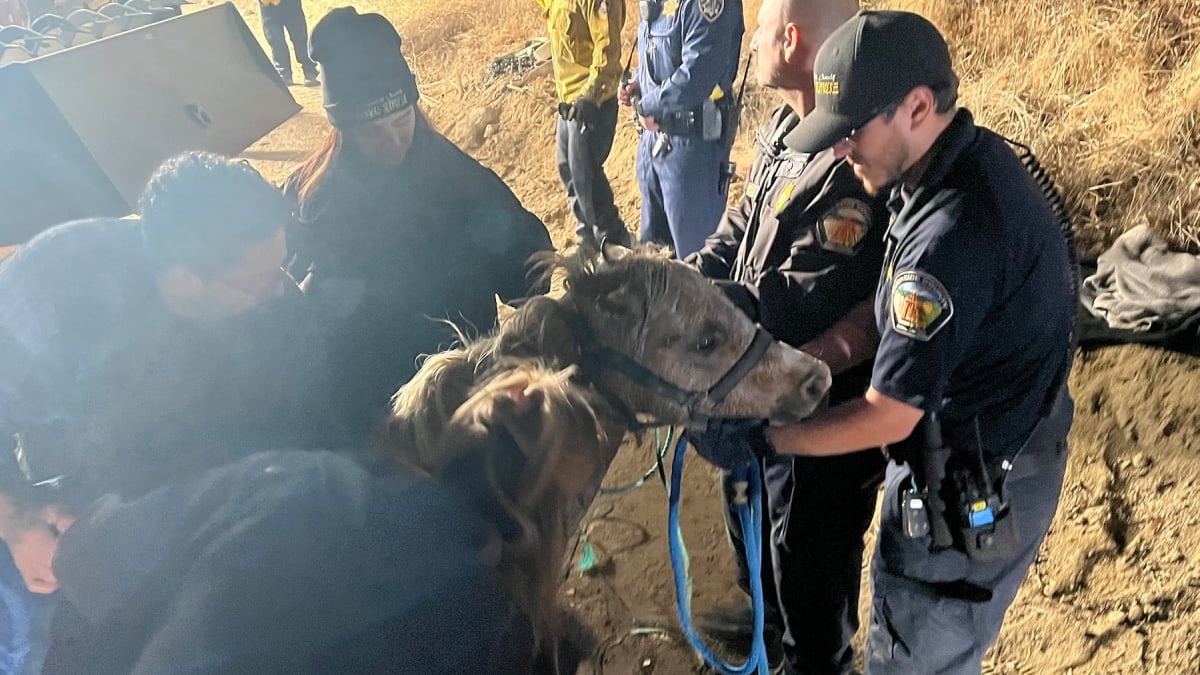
(292, 562)
(394, 249)
(805, 242)
(106, 384)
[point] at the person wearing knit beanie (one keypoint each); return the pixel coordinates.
(366, 75)
(395, 226)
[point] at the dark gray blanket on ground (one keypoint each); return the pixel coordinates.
(1141, 285)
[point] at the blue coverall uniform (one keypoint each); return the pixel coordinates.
(687, 54)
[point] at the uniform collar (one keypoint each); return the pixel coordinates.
(944, 154)
(790, 127)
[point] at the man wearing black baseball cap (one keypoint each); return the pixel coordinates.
(968, 391)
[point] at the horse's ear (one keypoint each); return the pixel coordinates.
(504, 311)
(612, 251)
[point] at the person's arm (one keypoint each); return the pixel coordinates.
(849, 342)
(872, 421)
(940, 294)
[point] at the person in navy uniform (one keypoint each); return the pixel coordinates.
(799, 251)
(975, 309)
(687, 61)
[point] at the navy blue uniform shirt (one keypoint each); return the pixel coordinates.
(685, 49)
(975, 304)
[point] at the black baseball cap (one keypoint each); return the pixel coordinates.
(868, 63)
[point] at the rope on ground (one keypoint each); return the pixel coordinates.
(748, 482)
(661, 447)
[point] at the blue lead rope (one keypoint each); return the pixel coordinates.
(749, 509)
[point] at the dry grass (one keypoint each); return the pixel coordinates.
(1107, 92)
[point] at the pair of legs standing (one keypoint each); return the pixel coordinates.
(582, 151)
(288, 16)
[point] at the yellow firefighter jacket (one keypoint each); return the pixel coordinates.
(585, 36)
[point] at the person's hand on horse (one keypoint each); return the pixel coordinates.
(731, 442)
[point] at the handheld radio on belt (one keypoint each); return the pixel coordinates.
(963, 502)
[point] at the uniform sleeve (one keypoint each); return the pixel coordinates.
(704, 61)
(605, 18)
(940, 292)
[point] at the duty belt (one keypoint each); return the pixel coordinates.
(704, 121)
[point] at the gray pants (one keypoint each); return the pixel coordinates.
(581, 156)
(287, 16)
(917, 624)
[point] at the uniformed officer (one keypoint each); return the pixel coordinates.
(801, 250)
(585, 39)
(975, 308)
(279, 16)
(398, 228)
(687, 61)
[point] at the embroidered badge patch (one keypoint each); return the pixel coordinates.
(711, 9)
(842, 228)
(920, 305)
(670, 7)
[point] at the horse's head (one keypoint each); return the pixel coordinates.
(671, 321)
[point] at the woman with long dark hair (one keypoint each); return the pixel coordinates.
(396, 227)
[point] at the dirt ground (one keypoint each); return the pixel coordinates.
(1116, 587)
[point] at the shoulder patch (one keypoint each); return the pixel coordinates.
(920, 305)
(711, 9)
(842, 228)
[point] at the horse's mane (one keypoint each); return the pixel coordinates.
(508, 409)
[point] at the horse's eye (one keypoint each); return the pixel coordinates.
(706, 344)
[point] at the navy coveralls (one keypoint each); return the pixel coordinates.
(686, 48)
(974, 307)
(806, 244)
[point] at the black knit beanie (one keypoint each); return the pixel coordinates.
(364, 74)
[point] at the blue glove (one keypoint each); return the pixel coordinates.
(732, 442)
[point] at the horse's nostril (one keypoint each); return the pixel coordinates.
(819, 383)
